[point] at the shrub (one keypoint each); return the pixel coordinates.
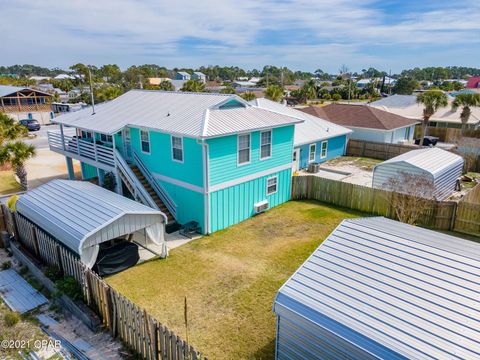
(336, 97)
(11, 318)
(6, 265)
(53, 273)
(70, 287)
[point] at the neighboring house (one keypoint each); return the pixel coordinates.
(64, 77)
(66, 107)
(199, 76)
(441, 167)
(316, 140)
(157, 81)
(39, 78)
(25, 103)
(178, 84)
(367, 123)
(243, 84)
(380, 289)
(182, 75)
(362, 83)
(406, 105)
(473, 83)
(210, 158)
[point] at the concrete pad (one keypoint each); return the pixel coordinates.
(48, 165)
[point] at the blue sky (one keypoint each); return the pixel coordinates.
(303, 34)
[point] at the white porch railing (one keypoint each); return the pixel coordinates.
(162, 194)
(139, 192)
(73, 146)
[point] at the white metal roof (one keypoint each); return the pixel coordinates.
(434, 160)
(411, 290)
(182, 113)
(82, 215)
(313, 128)
(406, 105)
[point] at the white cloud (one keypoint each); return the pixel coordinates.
(313, 33)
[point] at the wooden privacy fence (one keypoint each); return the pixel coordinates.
(124, 319)
(441, 215)
(448, 135)
(377, 150)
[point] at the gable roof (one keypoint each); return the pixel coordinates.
(389, 287)
(197, 115)
(473, 82)
(9, 90)
(313, 128)
(406, 105)
(361, 116)
(434, 160)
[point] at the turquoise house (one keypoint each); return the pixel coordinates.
(316, 140)
(210, 158)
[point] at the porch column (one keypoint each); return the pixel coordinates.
(71, 172)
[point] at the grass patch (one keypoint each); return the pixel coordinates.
(8, 184)
(360, 162)
(230, 279)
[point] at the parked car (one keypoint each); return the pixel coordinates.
(427, 141)
(30, 124)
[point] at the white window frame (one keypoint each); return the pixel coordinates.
(249, 149)
(171, 146)
(276, 185)
(321, 149)
(107, 140)
(148, 140)
(270, 144)
(310, 152)
(86, 133)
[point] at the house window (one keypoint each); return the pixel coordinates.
(323, 152)
(145, 141)
(243, 149)
(407, 133)
(272, 185)
(311, 153)
(265, 144)
(177, 148)
(106, 138)
(87, 135)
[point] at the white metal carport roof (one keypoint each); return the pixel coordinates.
(394, 286)
(82, 215)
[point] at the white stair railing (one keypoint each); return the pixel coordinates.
(139, 192)
(159, 190)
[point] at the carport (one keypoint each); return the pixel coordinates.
(81, 216)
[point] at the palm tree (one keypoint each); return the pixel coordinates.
(309, 90)
(465, 101)
(17, 153)
(10, 129)
(248, 96)
(274, 93)
(432, 100)
(193, 86)
(166, 86)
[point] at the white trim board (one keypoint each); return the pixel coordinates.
(179, 183)
(254, 176)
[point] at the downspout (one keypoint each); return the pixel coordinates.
(206, 190)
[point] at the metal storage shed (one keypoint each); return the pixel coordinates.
(441, 166)
(81, 215)
(381, 289)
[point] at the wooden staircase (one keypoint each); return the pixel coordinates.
(152, 193)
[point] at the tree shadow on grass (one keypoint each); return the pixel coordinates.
(267, 352)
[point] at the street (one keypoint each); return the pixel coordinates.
(41, 140)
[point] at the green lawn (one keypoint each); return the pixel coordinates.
(8, 184)
(230, 279)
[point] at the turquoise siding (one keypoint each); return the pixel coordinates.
(88, 171)
(119, 143)
(234, 204)
(223, 155)
(335, 148)
(160, 161)
(190, 204)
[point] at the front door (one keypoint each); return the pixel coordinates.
(296, 160)
(127, 144)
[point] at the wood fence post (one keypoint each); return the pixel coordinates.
(15, 226)
(88, 288)
(59, 259)
(35, 242)
(454, 216)
(110, 312)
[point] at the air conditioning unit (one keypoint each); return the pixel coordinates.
(260, 206)
(314, 167)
